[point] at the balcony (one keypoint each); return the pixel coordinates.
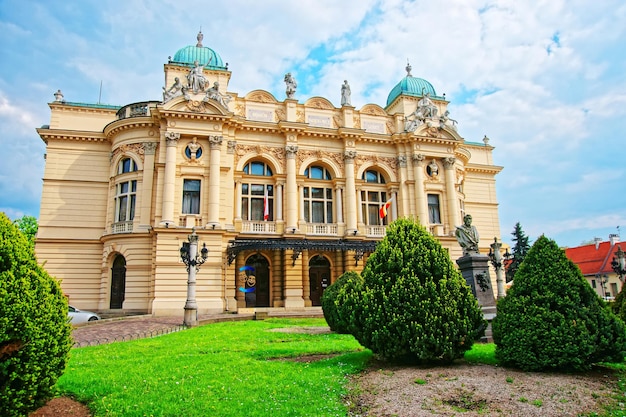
(190, 220)
(321, 229)
(136, 110)
(375, 231)
(122, 227)
(258, 227)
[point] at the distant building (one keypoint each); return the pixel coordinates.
(594, 260)
(286, 193)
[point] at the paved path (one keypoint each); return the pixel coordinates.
(137, 327)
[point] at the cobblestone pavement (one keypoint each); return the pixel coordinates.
(137, 327)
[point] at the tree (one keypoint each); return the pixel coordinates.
(519, 251)
(35, 335)
(551, 318)
(338, 301)
(27, 225)
(414, 305)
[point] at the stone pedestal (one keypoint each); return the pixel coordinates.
(475, 270)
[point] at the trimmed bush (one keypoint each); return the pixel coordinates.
(35, 336)
(338, 301)
(551, 319)
(415, 306)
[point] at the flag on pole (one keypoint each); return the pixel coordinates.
(266, 207)
(383, 210)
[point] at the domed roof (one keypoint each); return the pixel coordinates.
(411, 86)
(204, 55)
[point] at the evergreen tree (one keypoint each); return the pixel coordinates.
(28, 226)
(519, 251)
(35, 335)
(551, 318)
(414, 305)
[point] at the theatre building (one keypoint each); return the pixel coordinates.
(287, 193)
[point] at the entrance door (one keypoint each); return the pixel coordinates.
(118, 282)
(319, 278)
(259, 278)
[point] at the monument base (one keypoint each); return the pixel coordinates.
(475, 270)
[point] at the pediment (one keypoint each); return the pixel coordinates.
(261, 96)
(319, 103)
(197, 104)
(373, 110)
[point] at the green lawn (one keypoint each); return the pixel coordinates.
(228, 369)
(222, 369)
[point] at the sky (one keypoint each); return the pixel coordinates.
(544, 80)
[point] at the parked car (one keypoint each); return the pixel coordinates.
(81, 316)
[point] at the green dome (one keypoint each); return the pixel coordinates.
(204, 55)
(411, 86)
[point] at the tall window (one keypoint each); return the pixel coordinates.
(257, 194)
(434, 216)
(191, 197)
(318, 196)
(373, 196)
(125, 197)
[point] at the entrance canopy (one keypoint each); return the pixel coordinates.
(298, 245)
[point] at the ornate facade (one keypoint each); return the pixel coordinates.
(286, 194)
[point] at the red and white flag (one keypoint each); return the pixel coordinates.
(266, 207)
(384, 209)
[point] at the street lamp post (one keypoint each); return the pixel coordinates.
(496, 260)
(193, 260)
(619, 264)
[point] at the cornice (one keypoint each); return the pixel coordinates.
(129, 123)
(483, 169)
(78, 135)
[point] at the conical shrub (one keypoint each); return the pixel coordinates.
(551, 318)
(35, 336)
(339, 301)
(415, 306)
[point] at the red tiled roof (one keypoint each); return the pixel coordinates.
(593, 261)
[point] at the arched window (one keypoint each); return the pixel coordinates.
(257, 194)
(373, 195)
(126, 165)
(318, 195)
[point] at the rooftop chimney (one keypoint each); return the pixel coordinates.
(597, 241)
(613, 238)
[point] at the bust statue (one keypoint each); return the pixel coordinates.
(467, 236)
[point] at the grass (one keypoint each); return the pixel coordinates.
(233, 369)
(218, 369)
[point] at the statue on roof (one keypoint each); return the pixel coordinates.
(426, 106)
(345, 93)
(291, 84)
(174, 91)
(445, 120)
(196, 79)
(213, 93)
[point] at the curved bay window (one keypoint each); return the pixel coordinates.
(373, 195)
(257, 195)
(318, 196)
(125, 197)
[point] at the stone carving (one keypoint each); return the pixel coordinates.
(281, 115)
(213, 93)
(448, 163)
(426, 106)
(432, 169)
(467, 236)
(150, 147)
(196, 106)
(373, 110)
(261, 97)
(231, 144)
(177, 89)
(319, 103)
(303, 155)
(345, 94)
(215, 141)
(196, 79)
(291, 85)
(291, 150)
(356, 119)
(136, 148)
(418, 158)
(445, 120)
(193, 147)
(244, 150)
(171, 138)
(349, 155)
(402, 161)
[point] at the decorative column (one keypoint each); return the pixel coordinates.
(351, 207)
(278, 201)
(306, 285)
(149, 149)
(215, 144)
(171, 143)
(238, 200)
(291, 188)
(420, 193)
(453, 204)
(339, 205)
(394, 207)
(402, 202)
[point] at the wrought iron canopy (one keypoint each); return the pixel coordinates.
(298, 245)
